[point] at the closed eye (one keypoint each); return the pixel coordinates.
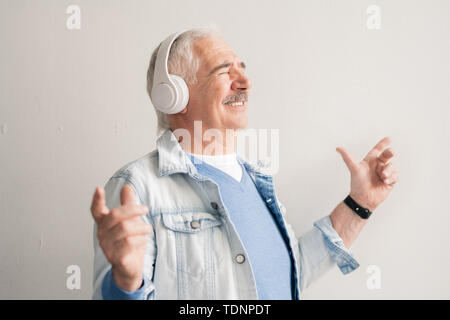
(223, 66)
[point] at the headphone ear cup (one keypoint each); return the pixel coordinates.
(182, 93)
(163, 97)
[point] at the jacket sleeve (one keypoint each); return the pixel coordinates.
(320, 249)
(103, 283)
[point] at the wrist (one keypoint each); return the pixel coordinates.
(347, 223)
(363, 201)
(129, 284)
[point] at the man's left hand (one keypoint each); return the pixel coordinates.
(374, 177)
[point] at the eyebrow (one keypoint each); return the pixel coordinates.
(225, 65)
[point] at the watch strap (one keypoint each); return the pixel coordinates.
(359, 210)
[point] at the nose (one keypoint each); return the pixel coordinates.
(240, 82)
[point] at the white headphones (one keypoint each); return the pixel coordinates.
(170, 93)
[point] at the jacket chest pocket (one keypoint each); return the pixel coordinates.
(192, 237)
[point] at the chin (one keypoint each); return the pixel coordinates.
(236, 117)
(239, 124)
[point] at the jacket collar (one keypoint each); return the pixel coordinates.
(173, 159)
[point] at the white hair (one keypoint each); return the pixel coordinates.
(182, 62)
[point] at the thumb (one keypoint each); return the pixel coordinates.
(351, 163)
(98, 206)
(127, 195)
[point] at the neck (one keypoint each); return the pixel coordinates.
(210, 142)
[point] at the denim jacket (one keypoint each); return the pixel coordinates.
(187, 260)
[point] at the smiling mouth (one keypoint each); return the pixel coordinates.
(237, 101)
(236, 105)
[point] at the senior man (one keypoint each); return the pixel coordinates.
(187, 222)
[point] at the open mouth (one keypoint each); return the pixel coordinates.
(236, 104)
(238, 101)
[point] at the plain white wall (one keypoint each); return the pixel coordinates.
(74, 109)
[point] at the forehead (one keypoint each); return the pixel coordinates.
(213, 51)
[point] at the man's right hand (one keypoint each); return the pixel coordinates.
(122, 235)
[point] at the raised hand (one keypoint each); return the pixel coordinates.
(374, 177)
(122, 235)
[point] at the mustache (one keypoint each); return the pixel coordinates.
(236, 97)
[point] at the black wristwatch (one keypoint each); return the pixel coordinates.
(359, 210)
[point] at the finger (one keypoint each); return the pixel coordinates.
(122, 213)
(127, 195)
(392, 179)
(129, 228)
(98, 206)
(387, 171)
(379, 147)
(386, 155)
(351, 163)
(124, 245)
(116, 250)
(107, 225)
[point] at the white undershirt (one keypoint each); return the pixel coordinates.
(228, 163)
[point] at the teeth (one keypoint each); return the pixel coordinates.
(234, 104)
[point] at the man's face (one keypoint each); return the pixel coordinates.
(219, 97)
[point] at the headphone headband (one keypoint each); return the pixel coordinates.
(161, 70)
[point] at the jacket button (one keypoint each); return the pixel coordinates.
(240, 258)
(214, 205)
(195, 224)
